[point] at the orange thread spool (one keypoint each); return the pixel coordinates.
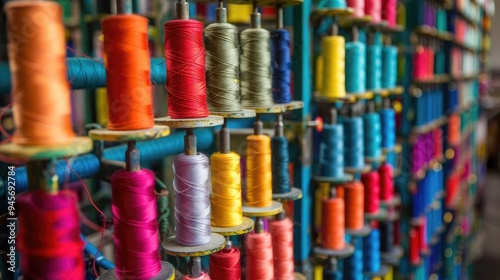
(354, 205)
(454, 129)
(259, 192)
(40, 89)
(126, 58)
(332, 235)
(259, 251)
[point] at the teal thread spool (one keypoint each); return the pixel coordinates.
(389, 66)
(332, 4)
(353, 140)
(355, 66)
(373, 67)
(372, 133)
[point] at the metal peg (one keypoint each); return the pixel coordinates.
(225, 147)
(221, 13)
(258, 126)
(194, 267)
(278, 127)
(190, 142)
(132, 159)
(256, 20)
(182, 9)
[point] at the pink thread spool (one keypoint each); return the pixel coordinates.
(386, 182)
(373, 8)
(389, 10)
(419, 63)
(358, 6)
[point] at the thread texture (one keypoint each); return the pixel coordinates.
(281, 66)
(333, 53)
(280, 161)
(259, 176)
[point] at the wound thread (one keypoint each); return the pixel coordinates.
(281, 66)
(259, 176)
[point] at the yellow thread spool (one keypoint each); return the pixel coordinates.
(318, 272)
(333, 52)
(238, 13)
(259, 192)
(389, 275)
(321, 194)
(319, 73)
(226, 190)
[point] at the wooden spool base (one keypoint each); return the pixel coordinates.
(270, 109)
(355, 170)
(294, 194)
(299, 276)
(326, 12)
(364, 231)
(384, 269)
(282, 2)
(129, 135)
(245, 227)
(216, 243)
(167, 273)
(350, 21)
(294, 105)
(375, 159)
(347, 251)
(381, 214)
(78, 145)
(394, 256)
(334, 180)
(190, 123)
(274, 209)
(395, 201)
(241, 114)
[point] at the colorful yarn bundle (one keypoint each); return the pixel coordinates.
(222, 67)
(374, 67)
(255, 67)
(191, 199)
(353, 142)
(355, 65)
(354, 205)
(135, 225)
(126, 58)
(389, 11)
(281, 66)
(371, 252)
(41, 119)
(358, 6)
(386, 174)
(389, 66)
(333, 53)
(282, 239)
(226, 190)
(259, 176)
(226, 264)
(259, 250)
(332, 224)
(371, 181)
(185, 60)
(49, 241)
(373, 8)
(332, 151)
(372, 135)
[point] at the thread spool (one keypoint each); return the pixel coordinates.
(386, 236)
(355, 65)
(332, 4)
(389, 66)
(373, 8)
(333, 53)
(332, 151)
(353, 142)
(40, 119)
(371, 252)
(319, 73)
(49, 241)
(332, 229)
(191, 199)
(226, 190)
(185, 61)
(280, 161)
(126, 57)
(259, 177)
(358, 6)
(134, 203)
(374, 67)
(255, 67)
(259, 251)
(437, 136)
(354, 205)
(353, 265)
(371, 181)
(389, 11)
(226, 264)
(239, 13)
(222, 67)
(388, 121)
(453, 129)
(419, 61)
(386, 182)
(372, 135)
(282, 239)
(281, 66)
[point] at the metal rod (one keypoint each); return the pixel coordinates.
(182, 9)
(281, 215)
(194, 267)
(355, 33)
(190, 142)
(259, 225)
(256, 20)
(278, 126)
(229, 244)
(334, 28)
(132, 159)
(221, 13)
(121, 6)
(225, 140)
(279, 16)
(258, 126)
(333, 116)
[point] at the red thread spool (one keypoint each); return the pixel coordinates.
(259, 251)
(226, 264)
(373, 8)
(397, 232)
(419, 63)
(389, 11)
(437, 135)
(429, 62)
(282, 236)
(414, 247)
(422, 235)
(49, 241)
(358, 6)
(185, 60)
(371, 181)
(354, 205)
(135, 225)
(386, 182)
(332, 230)
(126, 58)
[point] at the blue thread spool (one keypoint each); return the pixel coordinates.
(373, 132)
(388, 121)
(355, 64)
(332, 149)
(420, 110)
(353, 142)
(281, 65)
(280, 160)
(353, 265)
(389, 66)
(371, 252)
(374, 67)
(336, 4)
